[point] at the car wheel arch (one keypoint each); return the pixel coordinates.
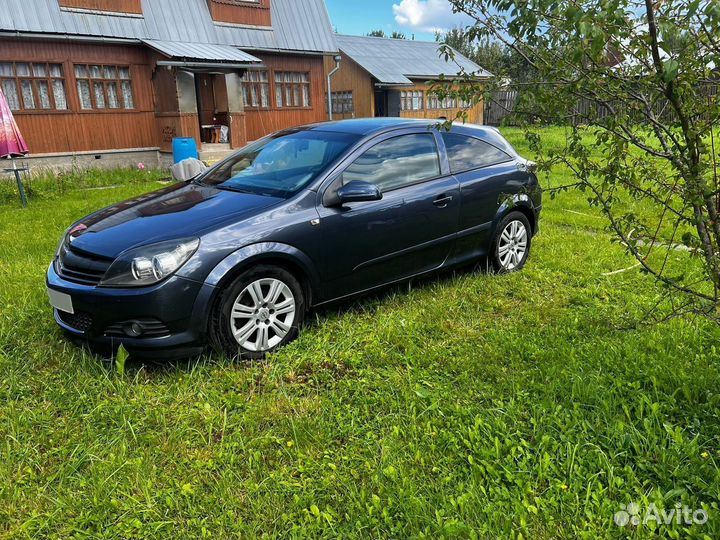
(272, 254)
(519, 203)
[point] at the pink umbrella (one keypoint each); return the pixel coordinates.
(12, 144)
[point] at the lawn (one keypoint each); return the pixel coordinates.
(467, 406)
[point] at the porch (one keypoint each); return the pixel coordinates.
(198, 94)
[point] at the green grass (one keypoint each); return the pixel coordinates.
(468, 406)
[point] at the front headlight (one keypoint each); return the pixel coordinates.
(147, 265)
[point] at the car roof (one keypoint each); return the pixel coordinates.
(368, 126)
(365, 126)
(373, 126)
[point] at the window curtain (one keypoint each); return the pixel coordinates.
(11, 93)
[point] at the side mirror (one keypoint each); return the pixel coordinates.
(358, 191)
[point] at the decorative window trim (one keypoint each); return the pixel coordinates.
(435, 103)
(412, 100)
(99, 86)
(342, 102)
(294, 93)
(55, 96)
(256, 89)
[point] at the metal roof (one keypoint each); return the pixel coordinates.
(297, 25)
(200, 51)
(397, 61)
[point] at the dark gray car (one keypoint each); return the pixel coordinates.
(298, 219)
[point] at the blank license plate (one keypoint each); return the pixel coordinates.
(61, 301)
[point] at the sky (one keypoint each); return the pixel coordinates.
(419, 17)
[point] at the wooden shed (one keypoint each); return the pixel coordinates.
(393, 77)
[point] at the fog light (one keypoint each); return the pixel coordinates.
(133, 329)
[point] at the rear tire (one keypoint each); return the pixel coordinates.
(510, 247)
(259, 312)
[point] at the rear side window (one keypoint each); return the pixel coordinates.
(467, 153)
(397, 162)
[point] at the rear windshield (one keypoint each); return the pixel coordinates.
(280, 165)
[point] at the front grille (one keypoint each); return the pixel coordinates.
(79, 321)
(152, 328)
(80, 267)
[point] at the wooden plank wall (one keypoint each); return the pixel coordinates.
(229, 11)
(259, 123)
(474, 114)
(174, 124)
(76, 130)
(117, 6)
(153, 122)
(352, 77)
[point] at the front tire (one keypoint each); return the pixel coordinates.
(511, 244)
(258, 313)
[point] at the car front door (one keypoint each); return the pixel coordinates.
(410, 230)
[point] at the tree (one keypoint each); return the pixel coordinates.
(490, 54)
(458, 39)
(493, 57)
(381, 33)
(634, 82)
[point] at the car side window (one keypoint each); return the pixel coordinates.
(468, 153)
(396, 162)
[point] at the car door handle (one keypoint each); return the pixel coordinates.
(442, 201)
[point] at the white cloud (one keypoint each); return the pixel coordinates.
(428, 15)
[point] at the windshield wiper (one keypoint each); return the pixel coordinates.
(233, 189)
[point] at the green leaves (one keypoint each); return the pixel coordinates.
(670, 70)
(120, 359)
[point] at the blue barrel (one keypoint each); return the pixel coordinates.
(184, 148)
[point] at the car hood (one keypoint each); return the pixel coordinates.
(175, 212)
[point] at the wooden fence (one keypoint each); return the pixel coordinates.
(500, 107)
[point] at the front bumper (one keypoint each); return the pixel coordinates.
(173, 315)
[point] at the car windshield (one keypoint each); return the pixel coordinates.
(279, 165)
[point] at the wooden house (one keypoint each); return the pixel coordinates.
(102, 78)
(392, 77)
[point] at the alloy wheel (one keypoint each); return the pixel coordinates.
(512, 245)
(262, 315)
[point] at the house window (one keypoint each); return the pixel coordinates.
(342, 103)
(104, 87)
(436, 103)
(292, 89)
(33, 86)
(412, 100)
(256, 89)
